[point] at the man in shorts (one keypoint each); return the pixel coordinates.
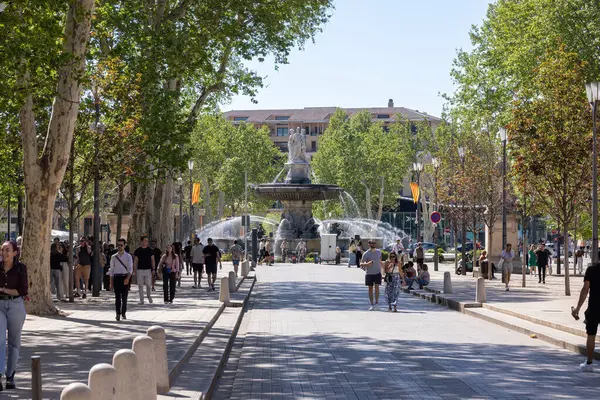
(197, 262)
(591, 285)
(211, 258)
(236, 255)
(84, 266)
(371, 263)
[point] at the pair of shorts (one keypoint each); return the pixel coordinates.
(235, 262)
(371, 280)
(420, 261)
(592, 319)
(211, 269)
(267, 254)
(197, 267)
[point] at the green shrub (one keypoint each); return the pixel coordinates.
(226, 257)
(310, 259)
(384, 255)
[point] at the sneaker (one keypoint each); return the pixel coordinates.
(10, 381)
(395, 308)
(213, 287)
(123, 316)
(507, 289)
(118, 317)
(209, 289)
(371, 308)
(376, 307)
(83, 296)
(194, 287)
(141, 303)
(150, 300)
(585, 367)
(76, 295)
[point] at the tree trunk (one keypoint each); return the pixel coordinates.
(119, 210)
(166, 221)
(71, 241)
(368, 201)
(427, 224)
(566, 251)
(44, 172)
(455, 250)
(525, 252)
(489, 252)
(221, 206)
(381, 197)
(139, 212)
(20, 214)
(207, 205)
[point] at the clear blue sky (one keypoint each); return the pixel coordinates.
(371, 51)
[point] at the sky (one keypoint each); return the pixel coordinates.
(371, 51)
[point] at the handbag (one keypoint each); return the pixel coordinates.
(389, 276)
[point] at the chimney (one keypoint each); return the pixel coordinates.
(391, 103)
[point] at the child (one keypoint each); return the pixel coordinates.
(424, 277)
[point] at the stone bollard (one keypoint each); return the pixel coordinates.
(76, 391)
(245, 268)
(102, 380)
(480, 290)
(143, 346)
(126, 363)
(161, 366)
(224, 291)
(447, 283)
(232, 287)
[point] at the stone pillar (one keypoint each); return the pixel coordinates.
(76, 391)
(447, 283)
(224, 291)
(480, 290)
(161, 366)
(126, 363)
(102, 380)
(245, 268)
(143, 346)
(232, 287)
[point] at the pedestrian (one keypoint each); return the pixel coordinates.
(371, 263)
(66, 270)
(484, 264)
(197, 262)
(157, 255)
(398, 248)
(409, 274)
(424, 277)
(284, 250)
(419, 255)
(236, 255)
(301, 249)
(338, 255)
(177, 249)
(84, 266)
(211, 258)
(120, 271)
(13, 288)
(351, 254)
(507, 256)
(57, 258)
(268, 251)
(261, 251)
(169, 266)
(144, 268)
(392, 281)
(359, 253)
(188, 258)
(591, 285)
(543, 257)
(532, 260)
(579, 260)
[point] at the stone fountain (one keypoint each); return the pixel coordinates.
(297, 192)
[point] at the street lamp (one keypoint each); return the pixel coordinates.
(180, 183)
(97, 268)
(191, 169)
(593, 94)
(418, 167)
(503, 138)
(461, 154)
(436, 164)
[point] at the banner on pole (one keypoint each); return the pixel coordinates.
(414, 187)
(196, 193)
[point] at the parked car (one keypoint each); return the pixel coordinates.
(550, 246)
(468, 247)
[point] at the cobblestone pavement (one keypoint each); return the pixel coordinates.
(70, 346)
(308, 334)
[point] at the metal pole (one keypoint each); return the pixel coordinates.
(246, 219)
(36, 378)
(503, 194)
(594, 189)
(191, 209)
(96, 258)
(435, 229)
(181, 213)
(419, 208)
(464, 228)
(524, 267)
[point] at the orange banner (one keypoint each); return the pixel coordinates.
(414, 187)
(196, 193)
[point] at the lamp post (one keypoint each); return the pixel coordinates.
(504, 138)
(191, 169)
(436, 164)
(417, 168)
(593, 94)
(461, 154)
(180, 183)
(97, 268)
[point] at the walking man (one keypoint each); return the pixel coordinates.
(120, 270)
(301, 249)
(284, 250)
(236, 255)
(371, 263)
(84, 266)
(187, 250)
(197, 262)
(591, 285)
(143, 267)
(543, 259)
(420, 255)
(211, 258)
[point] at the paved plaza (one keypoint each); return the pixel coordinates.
(308, 334)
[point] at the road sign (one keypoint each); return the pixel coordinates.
(436, 217)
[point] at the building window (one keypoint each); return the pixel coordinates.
(383, 116)
(240, 118)
(282, 131)
(282, 117)
(313, 146)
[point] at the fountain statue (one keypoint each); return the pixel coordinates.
(297, 193)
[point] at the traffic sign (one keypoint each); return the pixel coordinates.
(436, 217)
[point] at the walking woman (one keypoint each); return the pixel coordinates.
(507, 257)
(351, 254)
(13, 287)
(532, 261)
(169, 265)
(392, 281)
(359, 252)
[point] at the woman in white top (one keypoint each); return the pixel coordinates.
(507, 256)
(169, 265)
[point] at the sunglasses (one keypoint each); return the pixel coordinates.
(120, 245)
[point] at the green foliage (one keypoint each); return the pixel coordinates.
(226, 257)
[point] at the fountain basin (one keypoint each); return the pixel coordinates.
(302, 192)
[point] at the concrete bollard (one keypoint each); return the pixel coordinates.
(76, 391)
(245, 268)
(102, 380)
(161, 366)
(232, 287)
(480, 290)
(224, 291)
(143, 346)
(447, 283)
(126, 363)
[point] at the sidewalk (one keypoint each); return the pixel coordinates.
(70, 346)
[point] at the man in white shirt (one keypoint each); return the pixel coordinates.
(121, 268)
(197, 262)
(398, 247)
